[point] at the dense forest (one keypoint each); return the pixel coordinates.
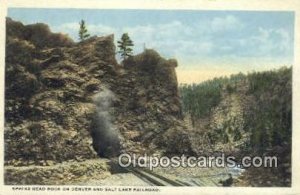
(265, 99)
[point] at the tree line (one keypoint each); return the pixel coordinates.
(125, 44)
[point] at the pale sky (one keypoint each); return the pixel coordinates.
(206, 44)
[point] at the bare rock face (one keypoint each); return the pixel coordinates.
(151, 118)
(50, 108)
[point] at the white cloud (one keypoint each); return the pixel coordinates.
(101, 29)
(171, 39)
(285, 39)
(93, 29)
(268, 41)
(226, 48)
(263, 34)
(227, 23)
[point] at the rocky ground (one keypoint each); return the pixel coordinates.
(66, 173)
(253, 177)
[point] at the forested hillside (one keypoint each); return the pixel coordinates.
(267, 118)
(243, 114)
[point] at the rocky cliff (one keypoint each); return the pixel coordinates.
(66, 100)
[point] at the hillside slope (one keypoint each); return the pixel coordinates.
(245, 115)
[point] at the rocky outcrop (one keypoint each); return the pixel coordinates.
(39, 34)
(50, 104)
(152, 113)
(48, 110)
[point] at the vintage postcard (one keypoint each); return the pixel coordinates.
(153, 97)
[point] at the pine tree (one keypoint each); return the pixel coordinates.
(125, 45)
(83, 31)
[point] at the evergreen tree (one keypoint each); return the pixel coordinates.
(83, 34)
(125, 45)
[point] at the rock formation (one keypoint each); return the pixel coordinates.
(51, 105)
